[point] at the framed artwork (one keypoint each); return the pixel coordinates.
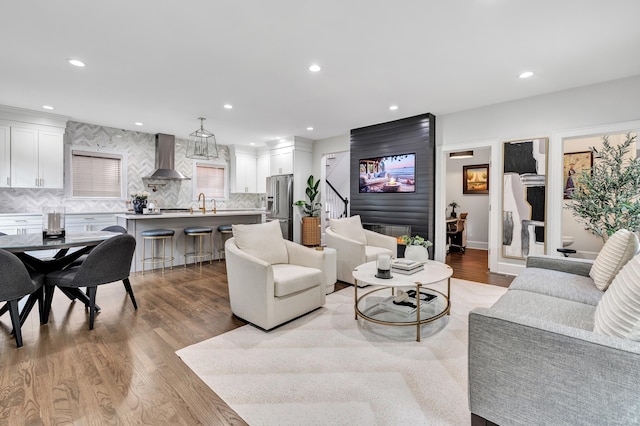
(475, 179)
(574, 163)
(524, 181)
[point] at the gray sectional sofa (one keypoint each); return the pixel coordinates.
(535, 359)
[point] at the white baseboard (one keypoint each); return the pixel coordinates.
(510, 268)
(480, 245)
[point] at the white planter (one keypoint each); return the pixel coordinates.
(417, 253)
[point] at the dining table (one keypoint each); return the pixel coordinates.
(24, 246)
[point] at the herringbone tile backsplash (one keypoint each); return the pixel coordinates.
(140, 149)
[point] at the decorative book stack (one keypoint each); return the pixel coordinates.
(406, 266)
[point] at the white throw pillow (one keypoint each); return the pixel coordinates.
(262, 240)
(618, 250)
(349, 227)
(618, 312)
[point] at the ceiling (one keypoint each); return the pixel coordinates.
(165, 63)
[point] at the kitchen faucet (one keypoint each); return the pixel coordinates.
(215, 208)
(204, 200)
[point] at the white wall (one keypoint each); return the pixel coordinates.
(477, 205)
(551, 115)
(340, 173)
(539, 116)
(327, 146)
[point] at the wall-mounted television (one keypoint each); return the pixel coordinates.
(392, 173)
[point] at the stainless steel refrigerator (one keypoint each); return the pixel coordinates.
(280, 203)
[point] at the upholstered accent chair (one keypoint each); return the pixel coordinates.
(272, 280)
(356, 245)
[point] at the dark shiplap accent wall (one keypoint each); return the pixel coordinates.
(408, 135)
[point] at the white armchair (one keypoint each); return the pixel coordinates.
(356, 245)
(272, 280)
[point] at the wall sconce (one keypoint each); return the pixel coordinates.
(460, 155)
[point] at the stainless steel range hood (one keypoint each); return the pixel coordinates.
(166, 159)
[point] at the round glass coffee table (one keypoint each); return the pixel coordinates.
(377, 305)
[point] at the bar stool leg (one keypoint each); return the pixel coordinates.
(171, 264)
(164, 248)
(186, 249)
(211, 252)
(144, 243)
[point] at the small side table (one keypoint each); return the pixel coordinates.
(330, 268)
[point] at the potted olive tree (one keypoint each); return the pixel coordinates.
(606, 197)
(311, 213)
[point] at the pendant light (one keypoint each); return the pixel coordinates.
(202, 144)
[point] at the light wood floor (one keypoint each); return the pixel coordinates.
(125, 371)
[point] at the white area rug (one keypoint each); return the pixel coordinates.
(328, 369)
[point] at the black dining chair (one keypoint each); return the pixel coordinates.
(115, 228)
(112, 228)
(108, 262)
(15, 283)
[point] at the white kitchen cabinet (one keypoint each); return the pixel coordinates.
(24, 158)
(81, 222)
(5, 156)
(281, 161)
(74, 222)
(262, 172)
(243, 169)
(21, 224)
(51, 159)
(25, 224)
(36, 158)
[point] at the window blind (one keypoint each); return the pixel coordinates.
(96, 175)
(210, 180)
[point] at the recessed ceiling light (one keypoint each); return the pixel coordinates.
(76, 62)
(137, 123)
(228, 106)
(314, 68)
(393, 107)
(526, 74)
(47, 107)
(283, 140)
(252, 143)
(309, 128)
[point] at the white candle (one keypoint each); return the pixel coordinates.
(384, 262)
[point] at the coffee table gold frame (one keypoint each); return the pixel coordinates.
(434, 272)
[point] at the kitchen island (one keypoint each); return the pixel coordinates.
(136, 223)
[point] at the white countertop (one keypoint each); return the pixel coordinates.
(195, 214)
(220, 212)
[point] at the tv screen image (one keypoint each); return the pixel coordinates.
(393, 173)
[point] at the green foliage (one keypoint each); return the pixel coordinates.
(607, 198)
(416, 240)
(453, 205)
(310, 207)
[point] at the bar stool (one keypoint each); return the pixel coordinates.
(225, 232)
(153, 235)
(198, 233)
